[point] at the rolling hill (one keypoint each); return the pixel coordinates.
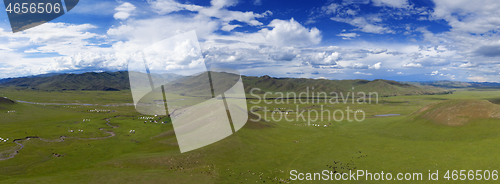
(382, 87)
(5, 102)
(458, 112)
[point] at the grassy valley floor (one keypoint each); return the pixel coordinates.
(261, 152)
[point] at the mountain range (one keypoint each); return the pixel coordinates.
(113, 81)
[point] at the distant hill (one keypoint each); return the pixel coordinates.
(87, 81)
(104, 81)
(112, 81)
(456, 84)
(32, 76)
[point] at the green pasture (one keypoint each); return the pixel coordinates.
(261, 152)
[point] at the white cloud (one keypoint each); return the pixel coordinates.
(148, 31)
(358, 66)
(363, 25)
(331, 8)
(229, 27)
(322, 59)
(478, 79)
(124, 11)
(348, 36)
(467, 65)
(391, 3)
(290, 33)
(223, 3)
(86, 60)
(376, 66)
(336, 72)
(413, 65)
(379, 51)
(434, 72)
(60, 38)
(163, 7)
(361, 73)
(400, 73)
(478, 16)
(218, 9)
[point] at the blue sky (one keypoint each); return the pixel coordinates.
(404, 40)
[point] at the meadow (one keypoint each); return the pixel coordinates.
(261, 152)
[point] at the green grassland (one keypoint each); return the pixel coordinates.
(261, 152)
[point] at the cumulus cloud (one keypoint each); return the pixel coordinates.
(290, 33)
(124, 11)
(376, 66)
(86, 61)
(322, 59)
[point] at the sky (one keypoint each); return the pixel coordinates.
(403, 40)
